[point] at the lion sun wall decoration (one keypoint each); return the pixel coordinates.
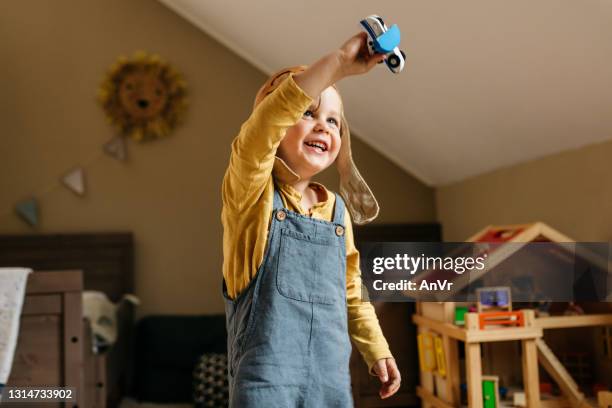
(143, 96)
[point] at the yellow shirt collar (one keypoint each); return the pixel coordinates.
(286, 177)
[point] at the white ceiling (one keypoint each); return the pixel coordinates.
(487, 83)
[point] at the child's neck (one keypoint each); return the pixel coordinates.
(309, 196)
(301, 186)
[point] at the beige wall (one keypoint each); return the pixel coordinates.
(570, 191)
(168, 194)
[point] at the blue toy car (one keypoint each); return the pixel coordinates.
(384, 40)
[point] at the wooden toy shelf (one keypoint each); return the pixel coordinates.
(566, 322)
(473, 336)
(444, 390)
(440, 380)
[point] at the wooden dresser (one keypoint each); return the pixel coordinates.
(54, 346)
(50, 344)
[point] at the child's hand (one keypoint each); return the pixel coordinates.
(354, 56)
(389, 376)
(351, 59)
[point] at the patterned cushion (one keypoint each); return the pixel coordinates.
(210, 381)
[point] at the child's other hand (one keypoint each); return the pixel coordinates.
(389, 376)
(354, 56)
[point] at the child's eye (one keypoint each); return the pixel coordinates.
(334, 121)
(308, 113)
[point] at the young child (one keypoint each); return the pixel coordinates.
(292, 284)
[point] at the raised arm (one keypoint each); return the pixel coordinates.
(352, 58)
(253, 150)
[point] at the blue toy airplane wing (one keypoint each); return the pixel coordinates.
(389, 40)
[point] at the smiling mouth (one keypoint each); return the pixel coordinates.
(320, 146)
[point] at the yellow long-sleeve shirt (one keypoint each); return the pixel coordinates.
(248, 189)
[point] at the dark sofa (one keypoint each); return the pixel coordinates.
(166, 349)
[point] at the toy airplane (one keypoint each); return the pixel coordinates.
(384, 40)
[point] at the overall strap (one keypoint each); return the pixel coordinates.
(338, 210)
(278, 202)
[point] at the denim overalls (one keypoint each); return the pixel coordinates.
(288, 343)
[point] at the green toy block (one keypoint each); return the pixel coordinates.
(460, 312)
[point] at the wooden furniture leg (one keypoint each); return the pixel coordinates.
(531, 377)
(451, 353)
(73, 357)
(473, 374)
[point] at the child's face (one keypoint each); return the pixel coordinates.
(312, 144)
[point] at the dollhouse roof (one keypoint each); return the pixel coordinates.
(501, 243)
(534, 232)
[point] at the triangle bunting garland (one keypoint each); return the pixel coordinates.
(28, 211)
(75, 181)
(115, 148)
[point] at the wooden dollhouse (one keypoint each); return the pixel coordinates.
(443, 326)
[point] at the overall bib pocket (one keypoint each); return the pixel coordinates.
(308, 268)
